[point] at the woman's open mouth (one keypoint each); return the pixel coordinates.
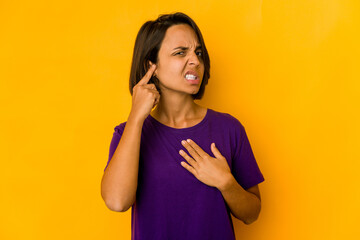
(193, 79)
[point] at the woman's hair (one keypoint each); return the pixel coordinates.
(148, 43)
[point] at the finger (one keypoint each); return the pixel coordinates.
(192, 162)
(197, 148)
(149, 86)
(157, 99)
(157, 95)
(189, 168)
(152, 90)
(216, 151)
(156, 102)
(191, 150)
(148, 75)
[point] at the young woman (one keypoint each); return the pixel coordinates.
(181, 167)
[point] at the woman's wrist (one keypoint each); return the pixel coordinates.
(226, 182)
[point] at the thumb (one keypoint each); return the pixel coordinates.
(216, 151)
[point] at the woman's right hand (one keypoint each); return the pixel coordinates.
(145, 96)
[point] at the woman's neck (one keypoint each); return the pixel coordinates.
(177, 111)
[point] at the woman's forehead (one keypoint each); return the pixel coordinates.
(180, 35)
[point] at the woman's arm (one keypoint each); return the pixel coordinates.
(119, 182)
(120, 179)
(245, 205)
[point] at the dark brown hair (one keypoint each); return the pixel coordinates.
(148, 43)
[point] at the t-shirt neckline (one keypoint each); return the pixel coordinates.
(202, 122)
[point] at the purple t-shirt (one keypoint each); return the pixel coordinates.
(171, 203)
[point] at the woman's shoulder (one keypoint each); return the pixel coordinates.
(225, 119)
(120, 127)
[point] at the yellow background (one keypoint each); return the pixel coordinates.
(288, 70)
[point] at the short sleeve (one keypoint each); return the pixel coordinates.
(118, 131)
(245, 168)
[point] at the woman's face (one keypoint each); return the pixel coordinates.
(180, 66)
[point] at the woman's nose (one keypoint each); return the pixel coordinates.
(194, 59)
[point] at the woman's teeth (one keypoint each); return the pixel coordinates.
(190, 77)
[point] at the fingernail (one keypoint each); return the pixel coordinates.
(183, 142)
(188, 140)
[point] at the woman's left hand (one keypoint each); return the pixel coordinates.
(214, 172)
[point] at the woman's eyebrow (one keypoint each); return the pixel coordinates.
(186, 48)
